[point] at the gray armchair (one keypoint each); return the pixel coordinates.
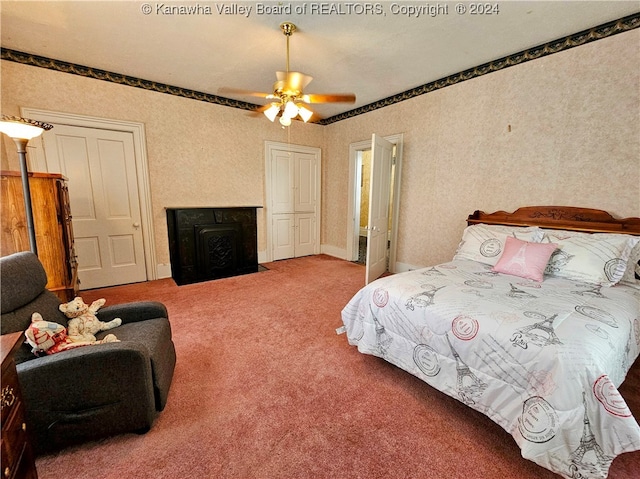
(94, 391)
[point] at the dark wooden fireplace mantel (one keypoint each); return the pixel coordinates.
(212, 243)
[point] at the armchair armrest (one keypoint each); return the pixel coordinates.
(133, 312)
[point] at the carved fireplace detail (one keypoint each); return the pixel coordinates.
(212, 243)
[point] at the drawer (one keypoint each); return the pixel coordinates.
(4, 457)
(9, 398)
(20, 468)
(25, 468)
(17, 459)
(14, 437)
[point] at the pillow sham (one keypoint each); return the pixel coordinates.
(599, 258)
(524, 259)
(485, 243)
(631, 275)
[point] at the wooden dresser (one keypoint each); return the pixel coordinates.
(18, 461)
(52, 224)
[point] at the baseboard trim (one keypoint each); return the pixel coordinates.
(163, 271)
(333, 251)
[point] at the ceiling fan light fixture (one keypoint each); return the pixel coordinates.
(272, 111)
(290, 110)
(287, 100)
(285, 121)
(304, 113)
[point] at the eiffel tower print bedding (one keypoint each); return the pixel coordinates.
(543, 359)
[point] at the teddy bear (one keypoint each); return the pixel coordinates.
(83, 322)
(49, 338)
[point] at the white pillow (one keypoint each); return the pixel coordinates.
(485, 243)
(632, 273)
(599, 258)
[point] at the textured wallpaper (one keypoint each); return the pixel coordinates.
(199, 154)
(562, 130)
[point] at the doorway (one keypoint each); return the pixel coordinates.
(363, 170)
(359, 200)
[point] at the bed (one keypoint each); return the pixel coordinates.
(535, 322)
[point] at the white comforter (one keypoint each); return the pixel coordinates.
(543, 360)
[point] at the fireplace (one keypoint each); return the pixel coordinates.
(212, 243)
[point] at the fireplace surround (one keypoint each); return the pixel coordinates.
(212, 242)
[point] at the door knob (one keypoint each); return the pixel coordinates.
(136, 225)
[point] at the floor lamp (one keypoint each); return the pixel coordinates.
(21, 130)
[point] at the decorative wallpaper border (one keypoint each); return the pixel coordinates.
(597, 33)
(75, 69)
(586, 36)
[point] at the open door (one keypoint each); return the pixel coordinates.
(379, 194)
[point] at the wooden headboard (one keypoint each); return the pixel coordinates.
(560, 217)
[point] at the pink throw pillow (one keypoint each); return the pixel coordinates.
(524, 259)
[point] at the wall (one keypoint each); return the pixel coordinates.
(563, 129)
(560, 130)
(199, 154)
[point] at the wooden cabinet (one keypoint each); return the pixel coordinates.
(18, 461)
(52, 224)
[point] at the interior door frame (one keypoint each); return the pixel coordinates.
(142, 167)
(269, 146)
(353, 202)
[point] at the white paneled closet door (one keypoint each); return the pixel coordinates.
(304, 239)
(293, 200)
(282, 173)
(283, 236)
(305, 167)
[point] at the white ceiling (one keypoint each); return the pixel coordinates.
(373, 56)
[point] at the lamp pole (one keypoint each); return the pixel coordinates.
(21, 144)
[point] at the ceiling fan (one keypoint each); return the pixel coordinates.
(289, 98)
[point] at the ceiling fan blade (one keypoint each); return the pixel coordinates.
(238, 91)
(329, 98)
(294, 80)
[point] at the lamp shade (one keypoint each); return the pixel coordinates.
(22, 128)
(290, 110)
(305, 113)
(272, 111)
